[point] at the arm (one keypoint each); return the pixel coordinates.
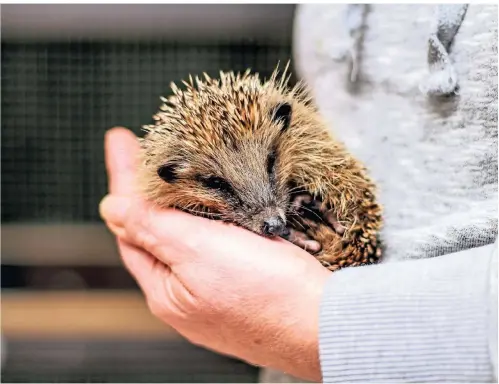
(430, 320)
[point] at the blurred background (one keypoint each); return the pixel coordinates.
(70, 312)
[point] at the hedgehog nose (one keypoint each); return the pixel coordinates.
(274, 226)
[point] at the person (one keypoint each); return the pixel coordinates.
(413, 318)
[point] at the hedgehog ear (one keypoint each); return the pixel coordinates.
(282, 114)
(168, 172)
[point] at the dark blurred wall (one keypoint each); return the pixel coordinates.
(58, 98)
(69, 73)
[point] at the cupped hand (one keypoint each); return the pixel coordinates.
(218, 285)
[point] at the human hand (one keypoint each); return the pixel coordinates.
(218, 285)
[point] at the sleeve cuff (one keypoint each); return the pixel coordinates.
(419, 321)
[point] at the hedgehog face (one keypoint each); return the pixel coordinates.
(239, 182)
(218, 149)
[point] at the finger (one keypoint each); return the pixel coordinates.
(139, 264)
(114, 215)
(129, 219)
(118, 231)
(175, 237)
(115, 209)
(121, 153)
(170, 235)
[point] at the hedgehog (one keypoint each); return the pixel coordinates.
(258, 154)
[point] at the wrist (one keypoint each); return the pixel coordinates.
(297, 350)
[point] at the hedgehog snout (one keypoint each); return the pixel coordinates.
(271, 222)
(274, 226)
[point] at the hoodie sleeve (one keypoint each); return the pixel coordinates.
(429, 320)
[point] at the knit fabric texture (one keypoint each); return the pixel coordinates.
(434, 159)
(423, 321)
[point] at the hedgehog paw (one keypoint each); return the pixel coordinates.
(331, 218)
(303, 241)
(314, 211)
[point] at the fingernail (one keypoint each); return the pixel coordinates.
(114, 209)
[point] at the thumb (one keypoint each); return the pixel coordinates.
(131, 221)
(121, 155)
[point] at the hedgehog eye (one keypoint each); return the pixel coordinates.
(168, 172)
(271, 162)
(214, 182)
(282, 114)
